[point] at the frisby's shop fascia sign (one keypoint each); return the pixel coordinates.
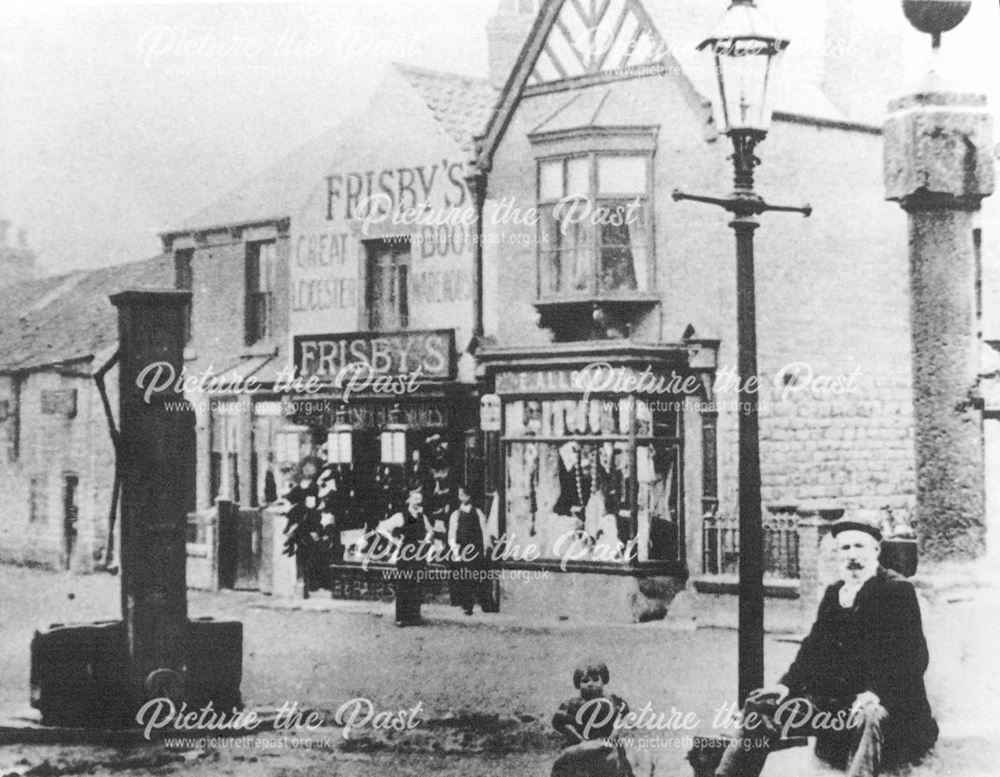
(423, 354)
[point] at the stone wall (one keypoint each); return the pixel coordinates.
(833, 327)
(51, 446)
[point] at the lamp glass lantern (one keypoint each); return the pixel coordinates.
(746, 51)
(393, 439)
(290, 444)
(339, 447)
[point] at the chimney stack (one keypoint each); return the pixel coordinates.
(506, 32)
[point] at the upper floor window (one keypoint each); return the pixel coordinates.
(387, 290)
(261, 269)
(184, 280)
(595, 225)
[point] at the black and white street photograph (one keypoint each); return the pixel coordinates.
(463, 388)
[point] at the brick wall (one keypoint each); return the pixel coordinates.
(218, 325)
(218, 317)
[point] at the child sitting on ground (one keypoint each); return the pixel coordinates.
(587, 723)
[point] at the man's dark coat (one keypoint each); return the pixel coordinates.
(890, 660)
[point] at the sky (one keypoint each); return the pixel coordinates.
(117, 121)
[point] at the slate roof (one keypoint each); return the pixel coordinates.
(66, 318)
(591, 108)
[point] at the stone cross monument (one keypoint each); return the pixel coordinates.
(938, 167)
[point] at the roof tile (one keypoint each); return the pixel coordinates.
(69, 317)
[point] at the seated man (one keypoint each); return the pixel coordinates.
(857, 683)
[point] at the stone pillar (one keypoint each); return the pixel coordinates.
(156, 459)
(938, 167)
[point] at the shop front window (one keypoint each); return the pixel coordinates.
(569, 482)
(594, 225)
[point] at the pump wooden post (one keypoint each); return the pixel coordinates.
(155, 459)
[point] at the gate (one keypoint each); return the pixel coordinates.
(239, 547)
(224, 548)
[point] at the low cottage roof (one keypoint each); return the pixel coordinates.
(69, 318)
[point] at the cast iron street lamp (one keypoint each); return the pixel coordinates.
(745, 51)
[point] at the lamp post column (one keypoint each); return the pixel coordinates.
(751, 599)
(744, 50)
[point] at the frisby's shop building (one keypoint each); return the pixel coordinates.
(414, 295)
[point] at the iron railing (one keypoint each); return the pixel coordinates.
(721, 546)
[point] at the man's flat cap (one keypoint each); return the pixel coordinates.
(855, 524)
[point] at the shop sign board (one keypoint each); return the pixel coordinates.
(596, 378)
(370, 416)
(429, 354)
(538, 382)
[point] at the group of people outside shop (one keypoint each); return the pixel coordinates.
(418, 545)
(416, 517)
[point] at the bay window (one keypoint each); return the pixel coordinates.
(595, 225)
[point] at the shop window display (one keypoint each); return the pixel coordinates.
(358, 495)
(569, 480)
